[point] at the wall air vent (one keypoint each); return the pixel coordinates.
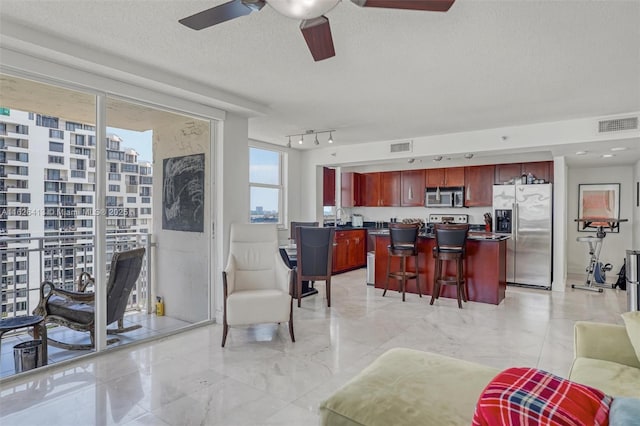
(401, 147)
(618, 124)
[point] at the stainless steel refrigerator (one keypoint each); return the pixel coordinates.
(525, 213)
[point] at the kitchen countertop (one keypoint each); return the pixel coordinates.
(475, 236)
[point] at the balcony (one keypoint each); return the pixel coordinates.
(62, 259)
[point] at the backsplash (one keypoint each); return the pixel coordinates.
(372, 214)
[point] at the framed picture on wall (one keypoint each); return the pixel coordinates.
(183, 193)
(598, 200)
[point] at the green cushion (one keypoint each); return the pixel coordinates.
(632, 324)
(610, 377)
(409, 387)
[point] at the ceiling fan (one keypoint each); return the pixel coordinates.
(315, 26)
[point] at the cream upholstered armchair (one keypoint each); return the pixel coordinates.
(257, 283)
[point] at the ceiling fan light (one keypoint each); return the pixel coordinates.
(302, 9)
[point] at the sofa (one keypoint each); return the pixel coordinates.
(410, 387)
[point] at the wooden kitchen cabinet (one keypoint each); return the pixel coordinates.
(506, 172)
(380, 189)
(340, 261)
(357, 249)
(452, 176)
(412, 183)
(539, 170)
(349, 250)
(478, 191)
(390, 189)
(328, 186)
(350, 189)
(370, 189)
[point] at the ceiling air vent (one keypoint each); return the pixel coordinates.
(618, 125)
(401, 147)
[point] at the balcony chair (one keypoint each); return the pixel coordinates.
(75, 309)
(314, 256)
(256, 282)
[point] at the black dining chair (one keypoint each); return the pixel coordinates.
(294, 225)
(314, 256)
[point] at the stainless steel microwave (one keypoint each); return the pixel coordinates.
(444, 197)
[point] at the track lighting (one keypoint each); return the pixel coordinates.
(315, 133)
(468, 156)
(437, 158)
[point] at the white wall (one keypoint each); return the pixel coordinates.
(636, 207)
(560, 224)
(232, 193)
(614, 245)
(181, 262)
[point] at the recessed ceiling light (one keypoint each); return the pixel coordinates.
(607, 155)
(619, 148)
(581, 152)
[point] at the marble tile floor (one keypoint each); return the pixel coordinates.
(151, 326)
(262, 378)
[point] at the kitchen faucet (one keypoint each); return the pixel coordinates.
(338, 210)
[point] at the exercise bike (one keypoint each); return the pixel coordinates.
(594, 268)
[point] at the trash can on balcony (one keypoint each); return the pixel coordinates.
(633, 274)
(27, 355)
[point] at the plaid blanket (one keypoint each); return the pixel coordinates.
(527, 396)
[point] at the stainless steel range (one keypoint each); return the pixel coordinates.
(445, 218)
(448, 218)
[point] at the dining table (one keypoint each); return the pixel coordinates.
(289, 254)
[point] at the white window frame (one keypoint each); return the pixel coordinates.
(281, 187)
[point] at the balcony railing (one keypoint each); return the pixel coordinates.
(61, 259)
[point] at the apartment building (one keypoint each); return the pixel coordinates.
(48, 201)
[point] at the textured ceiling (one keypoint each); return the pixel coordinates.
(396, 75)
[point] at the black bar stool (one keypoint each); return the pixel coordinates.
(450, 246)
(404, 244)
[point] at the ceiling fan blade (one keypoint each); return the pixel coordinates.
(317, 34)
(428, 5)
(222, 13)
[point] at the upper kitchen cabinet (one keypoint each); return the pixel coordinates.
(328, 186)
(452, 176)
(412, 183)
(370, 189)
(390, 188)
(479, 186)
(506, 172)
(539, 169)
(380, 189)
(350, 189)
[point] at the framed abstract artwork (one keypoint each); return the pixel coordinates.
(183, 193)
(601, 200)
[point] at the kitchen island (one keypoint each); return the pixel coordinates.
(485, 266)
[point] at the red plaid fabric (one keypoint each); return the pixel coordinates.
(527, 396)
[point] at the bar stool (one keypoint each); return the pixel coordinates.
(404, 244)
(450, 246)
